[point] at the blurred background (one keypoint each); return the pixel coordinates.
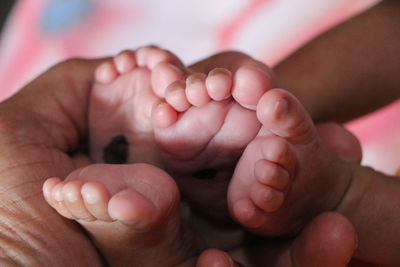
(40, 33)
(5, 7)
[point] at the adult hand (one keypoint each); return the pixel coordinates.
(328, 240)
(39, 127)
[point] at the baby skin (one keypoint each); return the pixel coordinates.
(146, 107)
(287, 175)
(132, 211)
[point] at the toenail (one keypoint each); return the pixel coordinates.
(281, 107)
(116, 152)
(218, 71)
(177, 85)
(196, 78)
(205, 174)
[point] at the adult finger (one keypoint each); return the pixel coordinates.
(329, 240)
(52, 109)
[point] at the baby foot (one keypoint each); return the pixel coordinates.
(121, 102)
(286, 176)
(144, 109)
(130, 211)
(202, 129)
(246, 85)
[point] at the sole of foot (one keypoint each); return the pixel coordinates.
(130, 211)
(286, 175)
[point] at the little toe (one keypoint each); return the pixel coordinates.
(106, 72)
(163, 75)
(281, 113)
(96, 197)
(48, 186)
(266, 198)
(131, 207)
(271, 174)
(125, 61)
(175, 96)
(57, 201)
(219, 84)
(73, 200)
(249, 84)
(163, 115)
(196, 90)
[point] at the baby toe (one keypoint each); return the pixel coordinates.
(279, 151)
(219, 84)
(131, 207)
(106, 72)
(163, 115)
(175, 95)
(163, 75)
(247, 214)
(96, 197)
(125, 61)
(265, 197)
(281, 113)
(271, 174)
(73, 200)
(151, 56)
(196, 90)
(48, 187)
(57, 201)
(249, 84)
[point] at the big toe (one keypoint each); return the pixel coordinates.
(282, 114)
(249, 84)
